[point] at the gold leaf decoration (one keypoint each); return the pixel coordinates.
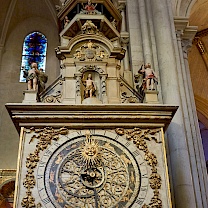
(139, 137)
(44, 137)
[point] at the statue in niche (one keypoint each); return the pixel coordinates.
(89, 8)
(90, 87)
(150, 79)
(66, 21)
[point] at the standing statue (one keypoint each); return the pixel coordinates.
(90, 87)
(35, 78)
(31, 77)
(42, 79)
(150, 79)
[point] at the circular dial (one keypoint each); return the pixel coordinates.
(98, 172)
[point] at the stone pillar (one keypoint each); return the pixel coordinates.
(183, 187)
(135, 44)
(184, 91)
(122, 8)
(145, 32)
(30, 96)
(198, 160)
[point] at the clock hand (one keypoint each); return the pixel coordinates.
(96, 198)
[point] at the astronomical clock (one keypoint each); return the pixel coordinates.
(117, 164)
(92, 139)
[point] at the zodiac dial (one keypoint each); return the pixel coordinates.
(93, 170)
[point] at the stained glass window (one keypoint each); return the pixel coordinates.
(34, 50)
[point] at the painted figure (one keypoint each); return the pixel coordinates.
(31, 77)
(150, 78)
(90, 87)
(42, 79)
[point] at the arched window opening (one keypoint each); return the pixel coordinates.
(34, 50)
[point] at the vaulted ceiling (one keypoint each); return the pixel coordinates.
(198, 58)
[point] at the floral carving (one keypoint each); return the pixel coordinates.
(139, 138)
(44, 137)
(28, 201)
(155, 181)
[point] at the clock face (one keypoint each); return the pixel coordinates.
(96, 170)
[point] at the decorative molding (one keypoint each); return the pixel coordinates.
(90, 51)
(91, 68)
(128, 98)
(89, 28)
(45, 137)
(139, 137)
(111, 115)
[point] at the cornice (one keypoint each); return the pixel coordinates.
(95, 116)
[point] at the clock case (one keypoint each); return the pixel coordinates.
(141, 126)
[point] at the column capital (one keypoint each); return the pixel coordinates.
(186, 45)
(182, 28)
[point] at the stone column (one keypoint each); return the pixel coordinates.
(145, 32)
(122, 8)
(135, 45)
(191, 136)
(198, 160)
(166, 44)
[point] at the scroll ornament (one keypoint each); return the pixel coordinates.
(139, 137)
(45, 137)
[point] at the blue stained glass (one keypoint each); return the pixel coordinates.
(34, 50)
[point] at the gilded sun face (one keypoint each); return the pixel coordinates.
(90, 152)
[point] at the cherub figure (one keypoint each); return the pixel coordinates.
(90, 87)
(150, 78)
(31, 77)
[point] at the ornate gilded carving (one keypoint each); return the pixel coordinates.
(59, 54)
(53, 98)
(89, 28)
(90, 51)
(139, 137)
(44, 137)
(90, 151)
(28, 201)
(91, 68)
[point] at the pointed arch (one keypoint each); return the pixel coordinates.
(34, 50)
